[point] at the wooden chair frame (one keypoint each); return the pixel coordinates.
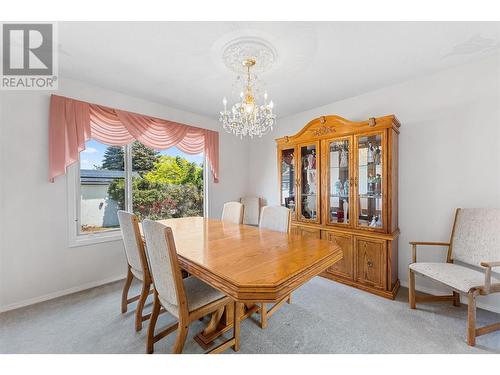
(265, 314)
(185, 316)
(487, 288)
(146, 283)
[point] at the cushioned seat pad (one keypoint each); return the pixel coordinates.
(138, 274)
(458, 277)
(198, 294)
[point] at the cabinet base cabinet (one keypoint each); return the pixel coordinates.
(391, 294)
(345, 267)
(370, 261)
(306, 232)
(367, 262)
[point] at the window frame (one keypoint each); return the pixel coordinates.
(75, 237)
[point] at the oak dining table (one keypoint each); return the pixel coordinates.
(249, 264)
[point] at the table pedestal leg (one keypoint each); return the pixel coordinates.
(233, 342)
(223, 322)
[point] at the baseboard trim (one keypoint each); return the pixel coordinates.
(61, 293)
(438, 292)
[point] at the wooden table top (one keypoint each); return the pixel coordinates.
(246, 262)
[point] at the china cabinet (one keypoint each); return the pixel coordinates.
(340, 180)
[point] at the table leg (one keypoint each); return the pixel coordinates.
(219, 325)
(227, 318)
(214, 322)
(238, 309)
(233, 342)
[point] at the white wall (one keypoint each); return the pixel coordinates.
(449, 150)
(35, 260)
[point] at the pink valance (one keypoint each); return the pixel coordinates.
(73, 122)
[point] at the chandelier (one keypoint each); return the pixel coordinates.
(247, 116)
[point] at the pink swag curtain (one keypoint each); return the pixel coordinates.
(73, 122)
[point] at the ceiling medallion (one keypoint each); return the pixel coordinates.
(241, 49)
(252, 113)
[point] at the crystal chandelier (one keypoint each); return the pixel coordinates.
(247, 116)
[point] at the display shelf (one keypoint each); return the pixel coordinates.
(352, 168)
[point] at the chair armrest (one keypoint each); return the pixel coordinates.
(414, 247)
(487, 277)
(490, 264)
(430, 243)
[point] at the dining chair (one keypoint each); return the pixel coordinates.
(251, 210)
(474, 247)
(276, 218)
(137, 266)
(186, 299)
(232, 212)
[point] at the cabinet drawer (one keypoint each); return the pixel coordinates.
(370, 261)
(305, 231)
(344, 267)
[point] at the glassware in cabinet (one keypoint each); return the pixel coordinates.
(369, 182)
(288, 179)
(339, 180)
(309, 183)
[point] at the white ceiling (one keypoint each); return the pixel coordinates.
(179, 64)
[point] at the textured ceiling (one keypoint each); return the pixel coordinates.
(179, 64)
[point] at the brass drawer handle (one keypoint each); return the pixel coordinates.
(369, 264)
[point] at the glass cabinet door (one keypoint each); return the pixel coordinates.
(309, 183)
(338, 156)
(288, 179)
(370, 181)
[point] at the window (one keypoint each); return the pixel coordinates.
(166, 184)
(102, 188)
(151, 184)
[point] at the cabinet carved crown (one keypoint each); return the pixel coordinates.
(322, 130)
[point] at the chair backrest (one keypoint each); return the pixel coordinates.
(165, 269)
(476, 236)
(251, 210)
(134, 246)
(233, 212)
(275, 218)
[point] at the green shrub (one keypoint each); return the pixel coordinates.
(155, 198)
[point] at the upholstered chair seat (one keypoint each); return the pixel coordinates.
(455, 276)
(198, 294)
(138, 274)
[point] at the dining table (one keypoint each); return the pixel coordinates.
(249, 264)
